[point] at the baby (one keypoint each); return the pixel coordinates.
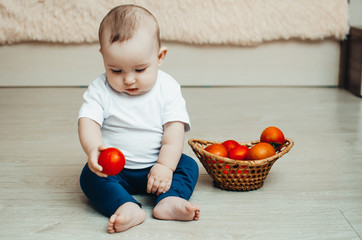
(140, 110)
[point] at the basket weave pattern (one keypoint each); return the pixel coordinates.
(229, 174)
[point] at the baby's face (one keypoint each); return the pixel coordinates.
(132, 66)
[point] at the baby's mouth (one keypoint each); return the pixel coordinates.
(132, 90)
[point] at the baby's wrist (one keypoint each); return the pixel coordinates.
(166, 166)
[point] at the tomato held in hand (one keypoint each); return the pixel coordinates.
(217, 149)
(239, 152)
(274, 136)
(260, 151)
(230, 144)
(112, 161)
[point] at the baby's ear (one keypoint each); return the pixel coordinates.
(161, 55)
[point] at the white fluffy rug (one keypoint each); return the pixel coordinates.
(236, 22)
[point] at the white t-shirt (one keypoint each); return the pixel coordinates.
(134, 124)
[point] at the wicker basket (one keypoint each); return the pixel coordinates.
(229, 174)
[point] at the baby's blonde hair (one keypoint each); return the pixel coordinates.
(121, 23)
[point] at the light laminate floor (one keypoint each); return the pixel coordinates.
(313, 192)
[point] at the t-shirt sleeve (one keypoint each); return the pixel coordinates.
(175, 107)
(94, 102)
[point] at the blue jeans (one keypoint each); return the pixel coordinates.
(108, 194)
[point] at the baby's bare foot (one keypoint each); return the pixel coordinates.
(175, 208)
(128, 215)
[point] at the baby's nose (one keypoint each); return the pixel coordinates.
(129, 80)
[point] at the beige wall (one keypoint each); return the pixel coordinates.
(355, 12)
(282, 63)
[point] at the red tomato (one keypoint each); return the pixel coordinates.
(274, 136)
(260, 151)
(112, 161)
(217, 149)
(239, 152)
(230, 144)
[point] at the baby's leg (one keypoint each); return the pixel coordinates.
(128, 215)
(110, 197)
(174, 204)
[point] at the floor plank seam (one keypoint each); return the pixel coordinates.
(350, 225)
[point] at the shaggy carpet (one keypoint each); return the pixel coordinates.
(235, 22)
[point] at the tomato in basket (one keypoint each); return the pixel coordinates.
(230, 144)
(274, 136)
(239, 152)
(217, 149)
(260, 151)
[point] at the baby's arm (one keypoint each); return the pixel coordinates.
(160, 176)
(91, 140)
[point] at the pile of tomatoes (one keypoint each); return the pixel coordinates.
(271, 140)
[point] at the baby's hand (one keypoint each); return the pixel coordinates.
(93, 161)
(159, 179)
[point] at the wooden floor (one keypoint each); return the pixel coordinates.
(313, 192)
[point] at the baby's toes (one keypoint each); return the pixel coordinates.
(111, 223)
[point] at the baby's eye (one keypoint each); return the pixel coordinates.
(116, 71)
(140, 70)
